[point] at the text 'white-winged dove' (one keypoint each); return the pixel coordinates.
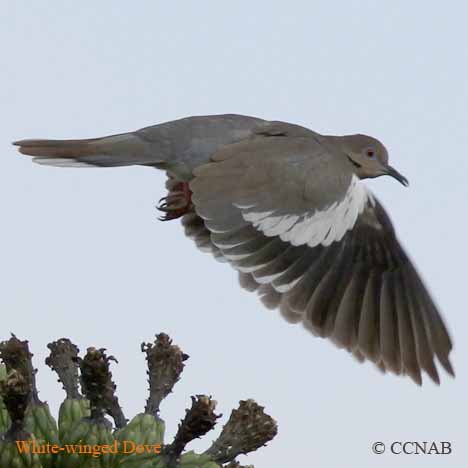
(285, 207)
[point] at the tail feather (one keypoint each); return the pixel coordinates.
(117, 150)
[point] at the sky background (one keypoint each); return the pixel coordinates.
(83, 255)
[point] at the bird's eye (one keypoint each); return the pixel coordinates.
(370, 153)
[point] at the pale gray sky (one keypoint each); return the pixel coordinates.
(83, 255)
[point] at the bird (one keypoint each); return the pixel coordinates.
(286, 207)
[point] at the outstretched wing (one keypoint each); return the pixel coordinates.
(322, 249)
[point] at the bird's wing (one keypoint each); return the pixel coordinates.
(322, 249)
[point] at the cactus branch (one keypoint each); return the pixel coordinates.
(15, 355)
(98, 387)
(16, 393)
(165, 364)
(199, 420)
(63, 360)
(247, 429)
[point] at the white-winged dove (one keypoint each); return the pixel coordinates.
(285, 207)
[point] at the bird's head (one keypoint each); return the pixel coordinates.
(369, 157)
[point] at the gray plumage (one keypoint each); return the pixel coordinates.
(285, 207)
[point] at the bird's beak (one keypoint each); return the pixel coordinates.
(396, 175)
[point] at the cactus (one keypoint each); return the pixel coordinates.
(4, 416)
(85, 437)
(63, 360)
(16, 393)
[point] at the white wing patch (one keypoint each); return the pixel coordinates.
(319, 227)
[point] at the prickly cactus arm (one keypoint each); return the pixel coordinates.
(165, 364)
(16, 392)
(37, 419)
(199, 420)
(63, 360)
(98, 387)
(248, 429)
(15, 355)
(4, 416)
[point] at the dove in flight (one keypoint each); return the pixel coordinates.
(286, 208)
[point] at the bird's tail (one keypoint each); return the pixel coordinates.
(125, 149)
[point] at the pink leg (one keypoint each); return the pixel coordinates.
(177, 203)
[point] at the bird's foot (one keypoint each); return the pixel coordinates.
(177, 203)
